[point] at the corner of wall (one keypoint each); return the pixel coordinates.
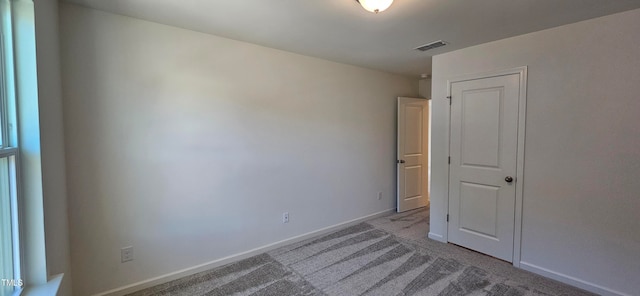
(52, 142)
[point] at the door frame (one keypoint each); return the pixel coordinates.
(522, 112)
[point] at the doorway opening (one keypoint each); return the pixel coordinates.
(414, 147)
(414, 157)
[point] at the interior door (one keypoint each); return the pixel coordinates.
(413, 127)
(483, 151)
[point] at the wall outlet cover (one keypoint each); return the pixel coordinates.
(126, 254)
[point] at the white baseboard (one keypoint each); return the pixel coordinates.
(436, 237)
(591, 287)
(239, 256)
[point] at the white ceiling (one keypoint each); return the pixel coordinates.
(342, 31)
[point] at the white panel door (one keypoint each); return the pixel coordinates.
(413, 127)
(483, 148)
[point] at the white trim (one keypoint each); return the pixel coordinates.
(445, 210)
(589, 286)
(235, 257)
(522, 123)
(522, 112)
(437, 237)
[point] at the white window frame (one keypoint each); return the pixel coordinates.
(4, 120)
(9, 150)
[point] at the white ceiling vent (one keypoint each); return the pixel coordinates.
(431, 45)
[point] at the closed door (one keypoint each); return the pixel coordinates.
(413, 126)
(483, 151)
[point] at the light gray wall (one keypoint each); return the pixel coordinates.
(52, 142)
(582, 156)
(189, 147)
(424, 88)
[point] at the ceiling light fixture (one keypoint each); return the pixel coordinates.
(375, 5)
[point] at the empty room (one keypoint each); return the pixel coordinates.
(335, 147)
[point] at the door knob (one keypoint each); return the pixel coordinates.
(509, 179)
(400, 161)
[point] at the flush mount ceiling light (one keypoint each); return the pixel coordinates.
(375, 5)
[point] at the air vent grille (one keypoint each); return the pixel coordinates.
(431, 45)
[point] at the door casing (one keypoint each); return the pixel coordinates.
(522, 104)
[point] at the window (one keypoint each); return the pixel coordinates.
(9, 248)
(10, 277)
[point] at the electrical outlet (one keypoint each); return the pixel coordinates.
(285, 217)
(126, 254)
(379, 195)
